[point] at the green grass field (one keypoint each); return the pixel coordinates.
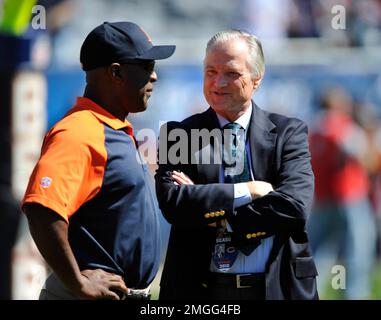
(331, 294)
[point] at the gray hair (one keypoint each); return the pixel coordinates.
(255, 59)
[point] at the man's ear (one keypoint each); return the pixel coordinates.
(114, 71)
(257, 82)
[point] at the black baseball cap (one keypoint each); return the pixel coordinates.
(119, 42)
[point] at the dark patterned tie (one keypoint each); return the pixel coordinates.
(236, 166)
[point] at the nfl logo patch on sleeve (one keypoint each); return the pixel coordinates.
(45, 182)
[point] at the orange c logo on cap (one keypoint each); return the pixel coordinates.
(148, 37)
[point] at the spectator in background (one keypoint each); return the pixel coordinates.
(302, 19)
(254, 17)
(375, 178)
(366, 117)
(342, 221)
(362, 22)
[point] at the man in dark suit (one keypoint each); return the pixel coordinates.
(236, 184)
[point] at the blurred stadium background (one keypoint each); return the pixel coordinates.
(311, 64)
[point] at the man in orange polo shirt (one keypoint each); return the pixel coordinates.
(89, 203)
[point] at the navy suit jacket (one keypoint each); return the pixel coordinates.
(280, 156)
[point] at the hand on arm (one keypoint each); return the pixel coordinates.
(181, 178)
(50, 233)
(259, 189)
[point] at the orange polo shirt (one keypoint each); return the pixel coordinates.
(71, 168)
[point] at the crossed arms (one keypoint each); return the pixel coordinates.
(280, 205)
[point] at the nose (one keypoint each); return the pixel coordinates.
(153, 76)
(220, 81)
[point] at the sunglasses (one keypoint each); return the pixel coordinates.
(148, 65)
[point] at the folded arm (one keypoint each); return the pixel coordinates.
(286, 208)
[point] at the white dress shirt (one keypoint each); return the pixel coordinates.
(256, 261)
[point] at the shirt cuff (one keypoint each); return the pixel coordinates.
(242, 195)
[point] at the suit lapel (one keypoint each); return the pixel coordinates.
(262, 144)
(209, 173)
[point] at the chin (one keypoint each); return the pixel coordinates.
(142, 108)
(218, 107)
